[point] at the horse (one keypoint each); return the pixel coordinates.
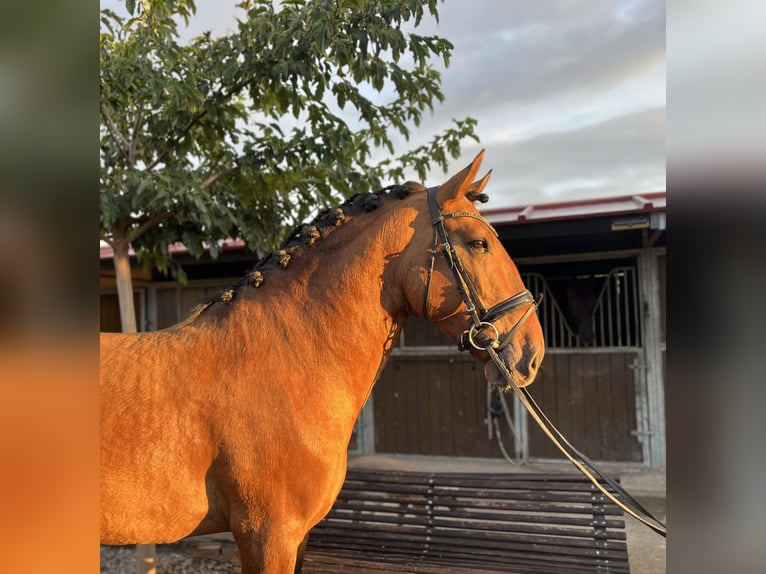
(238, 418)
(582, 299)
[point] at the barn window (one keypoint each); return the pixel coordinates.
(588, 304)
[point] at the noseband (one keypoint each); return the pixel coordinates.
(482, 319)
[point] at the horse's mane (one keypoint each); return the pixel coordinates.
(306, 235)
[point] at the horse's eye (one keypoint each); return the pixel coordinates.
(480, 244)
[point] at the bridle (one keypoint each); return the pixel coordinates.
(482, 319)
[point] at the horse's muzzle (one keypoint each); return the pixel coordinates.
(520, 371)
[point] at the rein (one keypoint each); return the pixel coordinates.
(483, 319)
(582, 462)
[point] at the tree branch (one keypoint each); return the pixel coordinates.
(148, 224)
(196, 118)
(213, 178)
(133, 148)
(123, 144)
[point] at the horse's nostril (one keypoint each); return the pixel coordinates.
(534, 364)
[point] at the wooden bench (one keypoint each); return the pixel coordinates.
(434, 523)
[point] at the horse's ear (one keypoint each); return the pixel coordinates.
(475, 193)
(461, 183)
(478, 186)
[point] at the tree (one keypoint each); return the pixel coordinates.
(246, 134)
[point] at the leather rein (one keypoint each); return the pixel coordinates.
(482, 319)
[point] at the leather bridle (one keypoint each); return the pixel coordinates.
(482, 319)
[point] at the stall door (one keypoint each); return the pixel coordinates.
(591, 383)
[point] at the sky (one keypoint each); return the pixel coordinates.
(569, 95)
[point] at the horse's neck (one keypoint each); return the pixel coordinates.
(334, 313)
(352, 290)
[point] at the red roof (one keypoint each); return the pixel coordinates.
(622, 205)
(177, 248)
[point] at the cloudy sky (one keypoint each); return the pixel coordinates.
(569, 94)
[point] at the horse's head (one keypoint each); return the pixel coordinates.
(466, 283)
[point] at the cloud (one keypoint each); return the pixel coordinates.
(569, 96)
(620, 156)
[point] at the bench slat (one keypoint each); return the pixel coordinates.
(520, 514)
(405, 538)
(485, 527)
(518, 563)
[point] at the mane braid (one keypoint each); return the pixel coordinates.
(305, 235)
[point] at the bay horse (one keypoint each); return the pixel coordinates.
(238, 418)
(582, 298)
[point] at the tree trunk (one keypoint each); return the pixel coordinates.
(146, 559)
(121, 260)
(146, 554)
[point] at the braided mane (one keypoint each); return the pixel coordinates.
(305, 235)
